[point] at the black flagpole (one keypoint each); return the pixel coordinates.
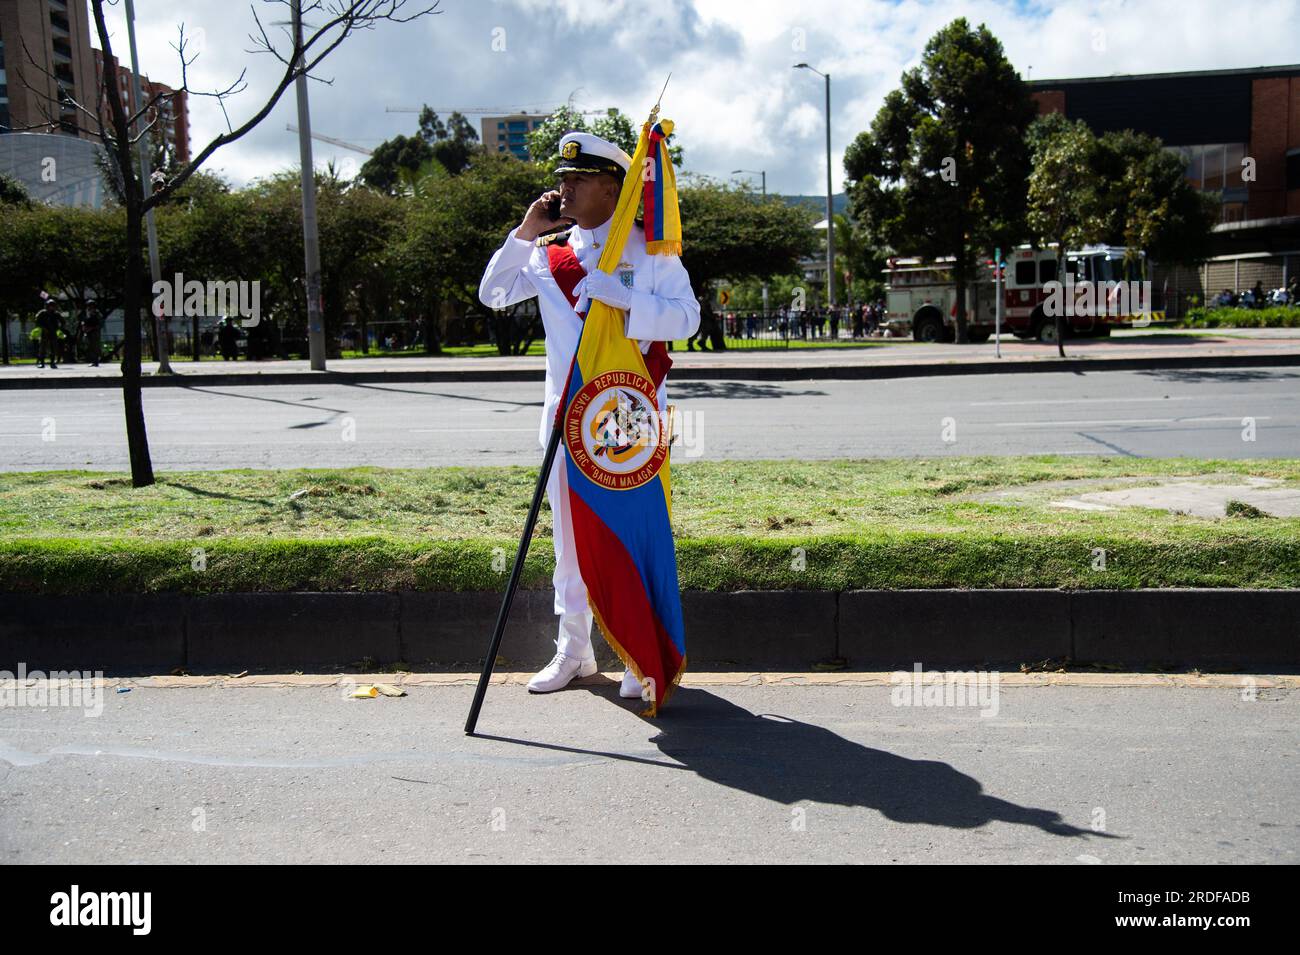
(490, 661)
(547, 460)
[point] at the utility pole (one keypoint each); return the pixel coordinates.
(155, 270)
(997, 308)
(310, 235)
(763, 174)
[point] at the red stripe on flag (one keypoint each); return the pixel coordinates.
(616, 590)
(648, 201)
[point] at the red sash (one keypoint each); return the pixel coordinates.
(568, 272)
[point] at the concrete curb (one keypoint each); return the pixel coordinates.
(758, 630)
(749, 678)
(680, 373)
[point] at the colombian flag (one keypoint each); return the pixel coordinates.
(663, 224)
(616, 452)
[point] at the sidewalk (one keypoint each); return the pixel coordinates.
(1128, 349)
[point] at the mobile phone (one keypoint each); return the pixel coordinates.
(553, 208)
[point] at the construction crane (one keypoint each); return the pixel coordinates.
(337, 142)
(492, 110)
(505, 110)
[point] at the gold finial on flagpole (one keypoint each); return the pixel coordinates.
(654, 113)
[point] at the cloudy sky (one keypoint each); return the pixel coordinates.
(736, 101)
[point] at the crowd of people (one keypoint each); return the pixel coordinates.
(262, 340)
(1257, 297)
(860, 320)
(59, 339)
(56, 341)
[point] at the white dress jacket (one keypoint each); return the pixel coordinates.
(663, 306)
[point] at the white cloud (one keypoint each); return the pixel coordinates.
(733, 94)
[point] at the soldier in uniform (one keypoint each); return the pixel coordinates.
(91, 327)
(50, 321)
(655, 294)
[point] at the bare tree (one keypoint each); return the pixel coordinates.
(123, 130)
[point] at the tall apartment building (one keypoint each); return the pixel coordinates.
(507, 134)
(55, 34)
(45, 43)
(174, 105)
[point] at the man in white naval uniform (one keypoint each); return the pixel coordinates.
(659, 306)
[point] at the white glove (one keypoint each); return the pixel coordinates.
(604, 288)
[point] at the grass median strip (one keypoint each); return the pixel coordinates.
(900, 523)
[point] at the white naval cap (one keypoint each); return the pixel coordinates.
(583, 152)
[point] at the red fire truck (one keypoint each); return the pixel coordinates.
(921, 297)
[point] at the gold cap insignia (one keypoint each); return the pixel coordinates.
(569, 150)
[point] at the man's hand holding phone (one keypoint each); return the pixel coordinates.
(543, 215)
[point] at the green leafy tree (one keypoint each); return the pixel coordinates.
(544, 141)
(1145, 201)
(13, 192)
(18, 284)
(729, 233)
(200, 187)
(80, 253)
(452, 231)
(356, 226)
(857, 255)
(73, 252)
(1063, 199)
(204, 235)
(1120, 188)
(20, 270)
(432, 128)
(398, 165)
(942, 171)
(451, 143)
(614, 126)
(383, 170)
(417, 182)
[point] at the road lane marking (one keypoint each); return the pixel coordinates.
(1097, 421)
(1079, 401)
(458, 430)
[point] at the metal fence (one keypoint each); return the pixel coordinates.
(739, 333)
(744, 331)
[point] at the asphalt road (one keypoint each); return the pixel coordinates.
(1155, 413)
(1061, 774)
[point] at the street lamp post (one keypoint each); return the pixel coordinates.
(754, 172)
(830, 222)
(762, 173)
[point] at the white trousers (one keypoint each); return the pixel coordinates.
(570, 592)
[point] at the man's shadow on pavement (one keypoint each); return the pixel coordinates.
(788, 761)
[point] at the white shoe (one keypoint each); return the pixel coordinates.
(557, 674)
(631, 688)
